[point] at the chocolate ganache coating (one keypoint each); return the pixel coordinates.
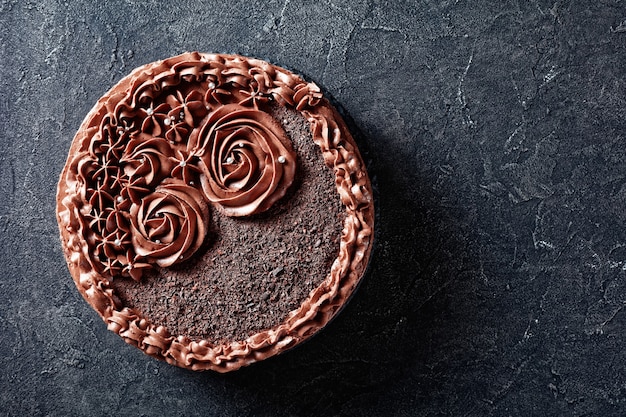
(173, 163)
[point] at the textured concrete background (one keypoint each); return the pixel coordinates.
(496, 134)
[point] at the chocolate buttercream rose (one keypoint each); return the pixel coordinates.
(246, 160)
(169, 225)
(147, 159)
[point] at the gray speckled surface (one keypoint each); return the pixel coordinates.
(496, 136)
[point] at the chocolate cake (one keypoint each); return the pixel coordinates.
(215, 210)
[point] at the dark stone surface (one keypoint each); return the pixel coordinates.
(496, 133)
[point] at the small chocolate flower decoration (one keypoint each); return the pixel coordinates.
(118, 179)
(189, 109)
(113, 266)
(117, 218)
(153, 118)
(108, 142)
(134, 190)
(185, 167)
(177, 132)
(135, 266)
(100, 196)
(215, 94)
(125, 119)
(255, 96)
(113, 244)
(97, 219)
(104, 171)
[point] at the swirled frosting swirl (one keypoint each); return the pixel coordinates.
(246, 159)
(170, 224)
(148, 159)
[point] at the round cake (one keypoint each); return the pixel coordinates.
(215, 210)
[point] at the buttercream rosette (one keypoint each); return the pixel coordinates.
(246, 160)
(170, 224)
